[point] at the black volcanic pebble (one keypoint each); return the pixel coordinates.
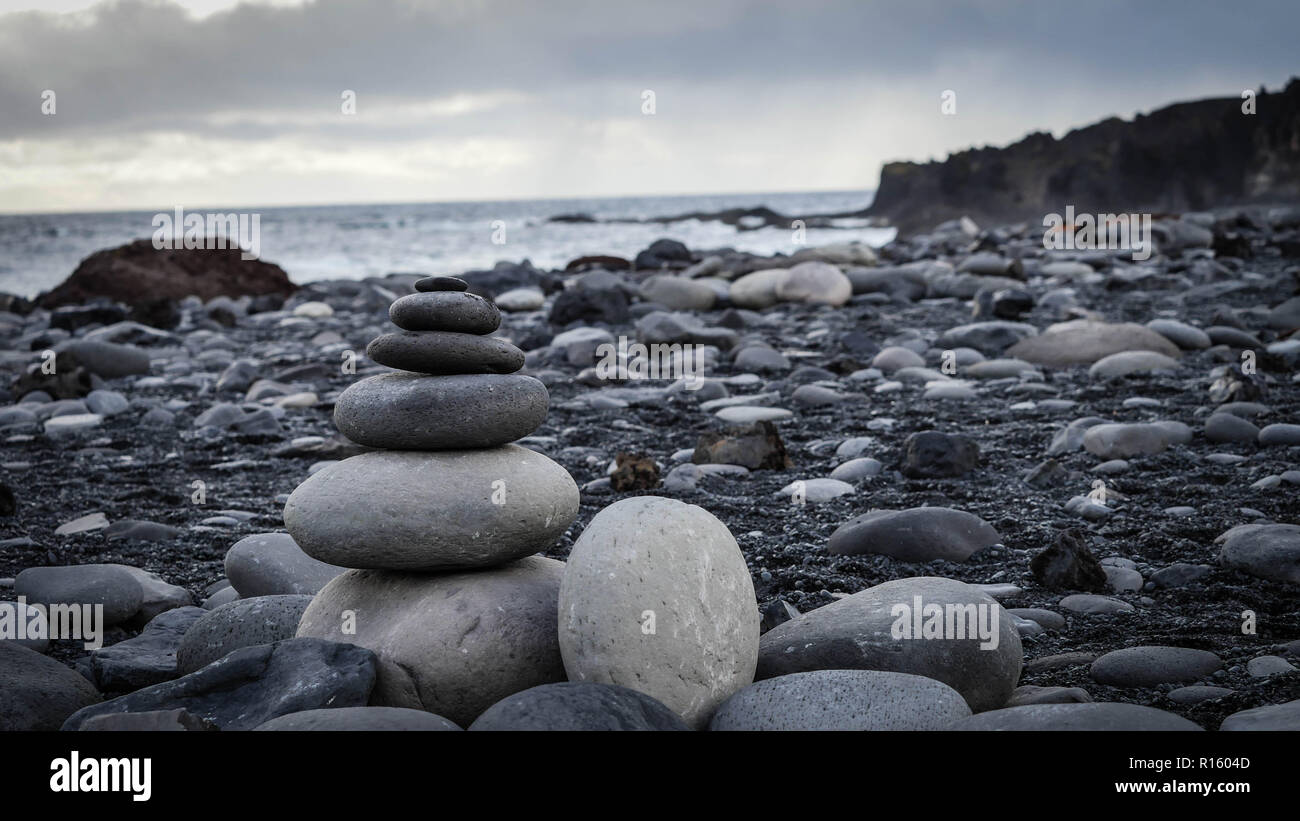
(445, 352)
(441, 284)
(445, 311)
(933, 455)
(578, 706)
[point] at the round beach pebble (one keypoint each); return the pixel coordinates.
(272, 564)
(453, 644)
(1122, 441)
(857, 633)
(445, 352)
(428, 284)
(842, 700)
(445, 311)
(657, 597)
(1152, 666)
(569, 706)
(242, 623)
(1264, 551)
(1100, 715)
(406, 510)
(359, 719)
(408, 411)
(920, 534)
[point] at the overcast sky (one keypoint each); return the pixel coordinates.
(213, 103)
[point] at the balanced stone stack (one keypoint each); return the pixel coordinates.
(442, 522)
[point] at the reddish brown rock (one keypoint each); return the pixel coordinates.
(137, 273)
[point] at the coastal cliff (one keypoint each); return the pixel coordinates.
(1184, 157)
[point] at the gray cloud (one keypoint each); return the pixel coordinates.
(839, 85)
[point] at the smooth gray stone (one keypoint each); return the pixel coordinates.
(1084, 341)
(842, 700)
(1125, 363)
(1224, 427)
(241, 623)
(1029, 694)
(223, 596)
(149, 658)
(1196, 693)
(37, 692)
(256, 684)
(440, 283)
(1265, 551)
(407, 411)
(1123, 441)
(109, 360)
(142, 531)
(858, 469)
(445, 311)
(407, 510)
(1094, 605)
(1279, 434)
(1151, 666)
(856, 633)
(1284, 716)
(1185, 336)
(1265, 666)
(272, 564)
(106, 403)
(919, 534)
(1180, 574)
(360, 719)
(656, 596)
(1101, 715)
(111, 585)
(450, 643)
(570, 706)
(1047, 618)
(444, 352)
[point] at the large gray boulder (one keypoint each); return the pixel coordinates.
(451, 643)
(657, 597)
(876, 629)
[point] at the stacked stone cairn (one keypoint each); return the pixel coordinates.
(441, 523)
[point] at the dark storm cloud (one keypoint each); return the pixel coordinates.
(137, 65)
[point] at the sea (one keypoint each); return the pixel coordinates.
(38, 251)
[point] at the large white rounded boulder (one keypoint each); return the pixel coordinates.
(656, 597)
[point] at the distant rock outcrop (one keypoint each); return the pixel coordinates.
(1184, 157)
(137, 274)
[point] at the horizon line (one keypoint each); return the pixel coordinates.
(463, 201)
